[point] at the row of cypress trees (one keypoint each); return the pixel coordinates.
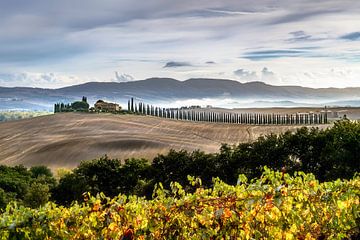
(226, 117)
(70, 107)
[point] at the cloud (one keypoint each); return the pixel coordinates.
(354, 36)
(299, 15)
(219, 13)
(299, 36)
(337, 77)
(268, 76)
(91, 38)
(122, 77)
(246, 75)
(173, 64)
(43, 80)
(267, 73)
(270, 54)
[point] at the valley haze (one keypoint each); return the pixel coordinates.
(168, 92)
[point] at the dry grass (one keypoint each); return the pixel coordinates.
(63, 140)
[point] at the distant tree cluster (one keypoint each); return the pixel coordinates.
(77, 106)
(17, 115)
(329, 154)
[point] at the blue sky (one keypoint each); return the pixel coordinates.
(50, 43)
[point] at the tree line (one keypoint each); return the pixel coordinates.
(227, 117)
(80, 106)
(329, 154)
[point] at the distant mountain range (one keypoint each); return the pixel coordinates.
(167, 90)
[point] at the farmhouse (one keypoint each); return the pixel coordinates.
(103, 106)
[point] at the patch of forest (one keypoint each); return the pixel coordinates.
(17, 115)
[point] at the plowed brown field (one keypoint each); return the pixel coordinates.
(63, 140)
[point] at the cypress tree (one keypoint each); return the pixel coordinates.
(325, 116)
(321, 118)
(132, 105)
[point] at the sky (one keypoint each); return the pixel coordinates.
(51, 43)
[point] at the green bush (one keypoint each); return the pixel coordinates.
(38, 194)
(24, 186)
(80, 106)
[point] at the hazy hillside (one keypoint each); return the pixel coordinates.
(63, 140)
(165, 90)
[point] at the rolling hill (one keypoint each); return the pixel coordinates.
(157, 90)
(63, 140)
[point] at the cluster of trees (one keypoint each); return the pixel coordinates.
(194, 114)
(329, 154)
(79, 106)
(17, 115)
(31, 187)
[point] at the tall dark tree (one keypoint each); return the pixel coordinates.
(132, 105)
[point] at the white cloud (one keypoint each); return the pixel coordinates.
(122, 77)
(43, 80)
(268, 76)
(246, 75)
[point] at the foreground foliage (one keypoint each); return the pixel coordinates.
(30, 187)
(275, 206)
(329, 154)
